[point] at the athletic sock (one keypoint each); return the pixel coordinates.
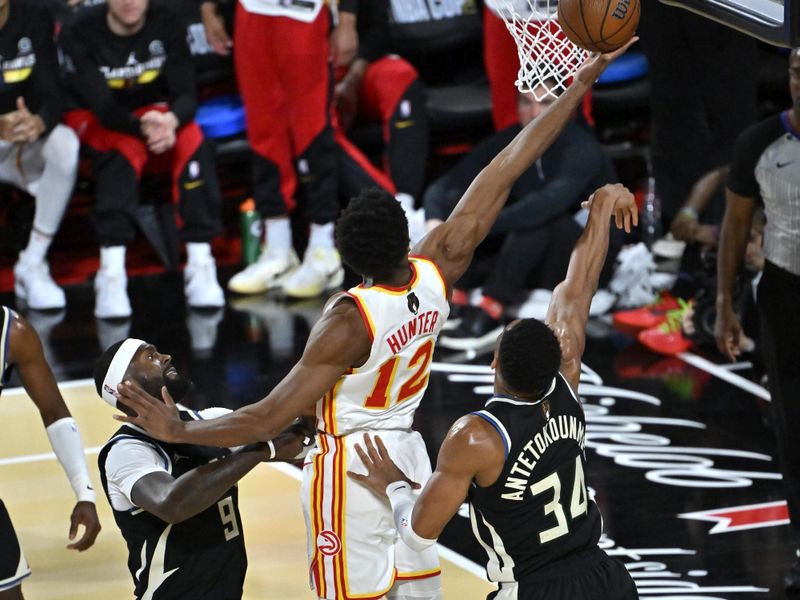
(321, 236)
(198, 253)
(278, 234)
(112, 258)
(38, 244)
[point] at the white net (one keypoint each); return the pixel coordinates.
(545, 53)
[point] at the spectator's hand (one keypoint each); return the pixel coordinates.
(214, 26)
(345, 97)
(28, 127)
(344, 40)
(708, 235)
(159, 129)
(381, 470)
(84, 514)
(727, 331)
(8, 122)
(684, 227)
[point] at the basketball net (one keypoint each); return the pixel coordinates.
(545, 53)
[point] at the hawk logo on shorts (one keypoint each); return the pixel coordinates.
(329, 543)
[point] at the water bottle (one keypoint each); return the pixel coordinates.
(250, 222)
(651, 219)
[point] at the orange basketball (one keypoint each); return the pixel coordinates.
(599, 25)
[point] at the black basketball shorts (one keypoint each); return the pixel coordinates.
(13, 566)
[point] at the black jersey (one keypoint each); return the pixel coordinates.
(6, 317)
(29, 62)
(538, 510)
(113, 75)
(202, 558)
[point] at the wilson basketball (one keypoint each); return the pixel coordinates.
(599, 25)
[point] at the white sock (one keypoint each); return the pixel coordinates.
(112, 258)
(406, 201)
(38, 244)
(198, 253)
(321, 236)
(278, 234)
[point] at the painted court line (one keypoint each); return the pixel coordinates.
(725, 374)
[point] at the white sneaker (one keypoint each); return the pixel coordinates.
(34, 285)
(268, 272)
(535, 307)
(416, 225)
(321, 270)
(201, 286)
(111, 295)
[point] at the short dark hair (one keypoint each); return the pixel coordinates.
(102, 364)
(372, 233)
(529, 357)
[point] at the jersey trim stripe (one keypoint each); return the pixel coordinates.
(365, 316)
(438, 271)
(5, 340)
(569, 387)
(395, 290)
(495, 422)
(418, 574)
(317, 566)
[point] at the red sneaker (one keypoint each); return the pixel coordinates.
(645, 317)
(667, 338)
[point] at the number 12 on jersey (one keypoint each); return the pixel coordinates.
(578, 505)
(381, 396)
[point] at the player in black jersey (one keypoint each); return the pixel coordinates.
(132, 90)
(21, 349)
(521, 460)
(177, 504)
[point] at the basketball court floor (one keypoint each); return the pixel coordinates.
(681, 458)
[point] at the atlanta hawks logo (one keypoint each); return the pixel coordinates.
(329, 543)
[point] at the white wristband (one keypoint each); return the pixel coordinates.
(271, 447)
(66, 442)
(402, 501)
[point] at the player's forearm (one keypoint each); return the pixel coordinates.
(591, 249)
(247, 425)
(732, 245)
(198, 489)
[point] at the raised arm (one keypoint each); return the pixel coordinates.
(337, 342)
(26, 354)
(452, 244)
(569, 307)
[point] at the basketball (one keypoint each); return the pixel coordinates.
(599, 25)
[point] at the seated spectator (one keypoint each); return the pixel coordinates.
(130, 72)
(378, 87)
(36, 153)
(537, 228)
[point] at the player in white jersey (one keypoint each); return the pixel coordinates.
(366, 366)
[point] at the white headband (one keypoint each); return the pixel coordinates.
(116, 370)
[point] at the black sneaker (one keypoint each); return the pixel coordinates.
(477, 330)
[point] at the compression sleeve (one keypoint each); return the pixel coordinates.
(66, 442)
(402, 501)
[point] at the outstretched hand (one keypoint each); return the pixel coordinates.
(381, 470)
(626, 213)
(160, 419)
(84, 514)
(596, 62)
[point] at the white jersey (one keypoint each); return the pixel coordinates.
(300, 10)
(403, 324)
